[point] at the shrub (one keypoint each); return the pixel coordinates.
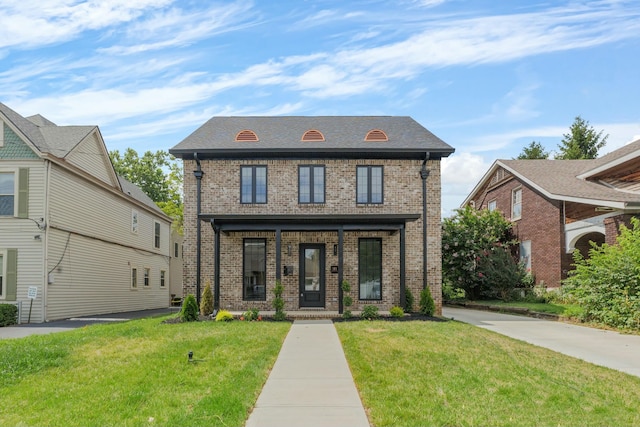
(346, 314)
(251, 314)
(498, 273)
(189, 311)
(278, 302)
(607, 284)
(427, 306)
(206, 302)
(396, 312)
(408, 300)
(224, 316)
(346, 298)
(8, 315)
(370, 312)
(450, 292)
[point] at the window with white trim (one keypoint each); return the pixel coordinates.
(162, 278)
(492, 206)
(134, 221)
(156, 234)
(516, 204)
(147, 273)
(134, 278)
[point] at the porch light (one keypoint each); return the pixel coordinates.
(335, 250)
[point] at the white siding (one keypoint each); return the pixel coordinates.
(91, 156)
(20, 234)
(92, 250)
(175, 278)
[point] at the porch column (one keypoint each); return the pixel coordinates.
(403, 296)
(278, 254)
(340, 276)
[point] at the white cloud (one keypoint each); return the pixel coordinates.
(460, 173)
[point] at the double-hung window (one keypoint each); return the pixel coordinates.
(370, 269)
(7, 193)
(516, 204)
(254, 270)
(253, 184)
(156, 234)
(369, 184)
(311, 184)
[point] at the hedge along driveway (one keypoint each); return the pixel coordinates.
(137, 373)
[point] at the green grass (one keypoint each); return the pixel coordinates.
(137, 374)
(450, 373)
(568, 310)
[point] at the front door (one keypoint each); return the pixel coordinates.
(311, 275)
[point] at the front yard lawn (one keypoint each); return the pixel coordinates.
(137, 373)
(450, 373)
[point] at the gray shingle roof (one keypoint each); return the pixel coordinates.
(559, 178)
(135, 192)
(283, 134)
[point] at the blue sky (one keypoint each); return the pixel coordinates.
(488, 77)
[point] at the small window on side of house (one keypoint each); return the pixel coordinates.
(516, 204)
(134, 278)
(492, 206)
(147, 273)
(156, 234)
(162, 278)
(134, 221)
(176, 247)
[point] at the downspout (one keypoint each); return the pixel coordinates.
(424, 173)
(198, 174)
(45, 241)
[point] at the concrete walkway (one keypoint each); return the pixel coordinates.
(310, 384)
(605, 348)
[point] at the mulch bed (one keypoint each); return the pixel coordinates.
(406, 318)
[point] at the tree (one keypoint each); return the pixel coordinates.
(206, 302)
(533, 151)
(469, 242)
(582, 141)
(158, 175)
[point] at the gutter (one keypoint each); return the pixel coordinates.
(424, 174)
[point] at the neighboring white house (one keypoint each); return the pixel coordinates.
(87, 241)
(175, 279)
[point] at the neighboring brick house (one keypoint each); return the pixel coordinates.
(558, 206)
(311, 201)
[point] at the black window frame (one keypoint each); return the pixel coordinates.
(312, 194)
(368, 200)
(263, 295)
(362, 240)
(253, 184)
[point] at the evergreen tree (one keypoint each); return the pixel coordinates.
(582, 141)
(533, 151)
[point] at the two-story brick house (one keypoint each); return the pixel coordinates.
(558, 206)
(312, 201)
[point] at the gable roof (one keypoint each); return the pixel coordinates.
(567, 180)
(344, 136)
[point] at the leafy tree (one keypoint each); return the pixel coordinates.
(498, 272)
(533, 151)
(582, 141)
(467, 237)
(158, 175)
(607, 284)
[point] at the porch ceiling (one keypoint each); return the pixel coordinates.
(371, 222)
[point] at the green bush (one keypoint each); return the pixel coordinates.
(396, 312)
(408, 300)
(8, 315)
(450, 292)
(224, 316)
(278, 302)
(427, 306)
(206, 302)
(370, 312)
(498, 273)
(346, 314)
(607, 284)
(251, 315)
(189, 311)
(346, 298)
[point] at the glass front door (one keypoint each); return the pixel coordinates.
(312, 275)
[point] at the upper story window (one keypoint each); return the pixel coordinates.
(516, 204)
(156, 234)
(253, 184)
(176, 252)
(492, 205)
(7, 193)
(311, 184)
(369, 184)
(134, 221)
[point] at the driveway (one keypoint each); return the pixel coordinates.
(600, 347)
